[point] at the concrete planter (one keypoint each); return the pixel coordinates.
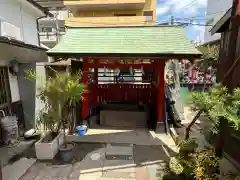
(45, 151)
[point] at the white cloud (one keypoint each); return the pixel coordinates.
(197, 32)
(162, 10)
(187, 7)
(182, 9)
(190, 12)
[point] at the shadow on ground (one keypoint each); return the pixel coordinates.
(148, 159)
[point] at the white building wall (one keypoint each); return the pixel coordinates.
(17, 13)
(215, 10)
(13, 82)
(29, 29)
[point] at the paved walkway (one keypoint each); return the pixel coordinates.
(107, 162)
(140, 136)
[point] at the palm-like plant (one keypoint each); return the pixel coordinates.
(59, 94)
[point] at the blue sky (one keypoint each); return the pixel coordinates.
(184, 11)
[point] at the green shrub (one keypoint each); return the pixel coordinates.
(175, 166)
(206, 165)
(193, 163)
(186, 147)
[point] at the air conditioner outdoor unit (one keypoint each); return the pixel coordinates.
(11, 31)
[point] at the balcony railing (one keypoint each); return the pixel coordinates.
(109, 21)
(98, 4)
(49, 36)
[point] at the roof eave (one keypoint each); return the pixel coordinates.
(40, 8)
(217, 27)
(156, 55)
(14, 42)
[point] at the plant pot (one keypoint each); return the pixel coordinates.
(66, 153)
(48, 150)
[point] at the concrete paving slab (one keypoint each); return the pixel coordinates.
(106, 178)
(91, 176)
(118, 174)
(7, 153)
(33, 171)
(117, 164)
(58, 172)
(134, 136)
(93, 162)
(127, 169)
(96, 155)
(119, 150)
(90, 166)
(16, 170)
(142, 173)
(74, 175)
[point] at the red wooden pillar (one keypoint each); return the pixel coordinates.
(96, 72)
(96, 82)
(160, 96)
(153, 76)
(85, 94)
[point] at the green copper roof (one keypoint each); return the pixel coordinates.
(155, 40)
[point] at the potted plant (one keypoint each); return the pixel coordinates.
(48, 122)
(70, 92)
(59, 94)
(47, 146)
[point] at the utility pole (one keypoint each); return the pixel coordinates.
(56, 26)
(172, 20)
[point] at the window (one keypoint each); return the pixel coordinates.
(148, 15)
(124, 14)
(46, 29)
(5, 94)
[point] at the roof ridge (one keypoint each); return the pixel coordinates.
(140, 26)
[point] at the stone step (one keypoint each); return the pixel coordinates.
(16, 170)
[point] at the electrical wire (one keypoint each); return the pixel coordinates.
(218, 12)
(189, 4)
(191, 19)
(195, 19)
(202, 17)
(195, 24)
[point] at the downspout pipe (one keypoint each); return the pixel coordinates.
(48, 14)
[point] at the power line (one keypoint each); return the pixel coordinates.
(186, 5)
(195, 24)
(195, 18)
(203, 17)
(210, 14)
